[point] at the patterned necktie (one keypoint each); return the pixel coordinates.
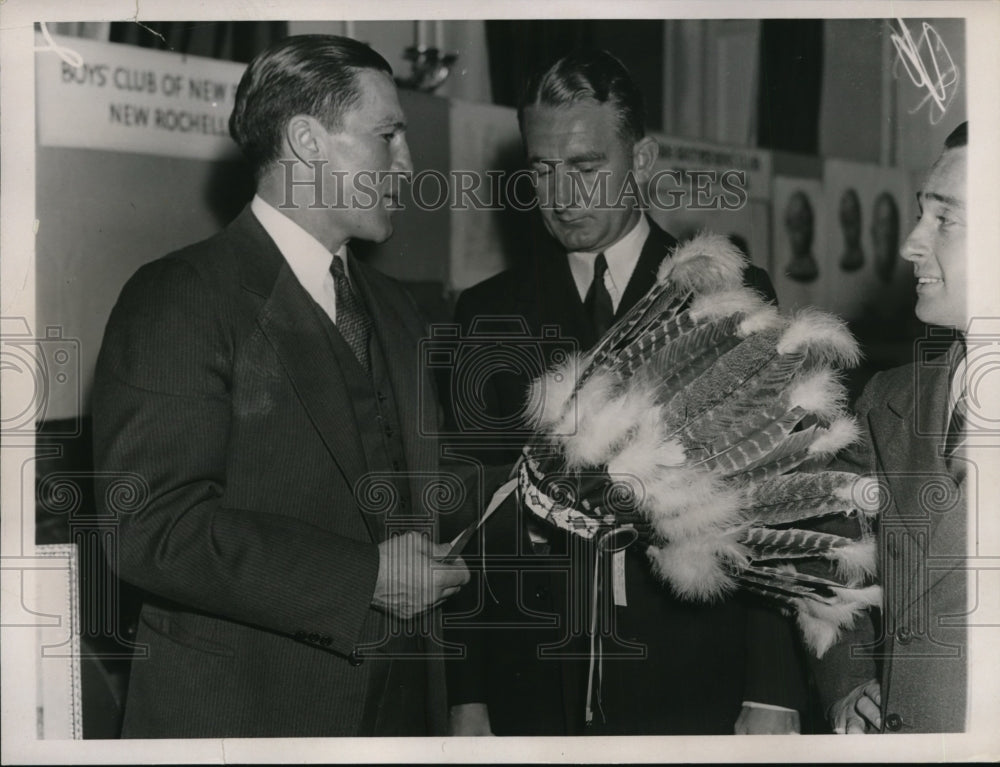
(353, 320)
(598, 303)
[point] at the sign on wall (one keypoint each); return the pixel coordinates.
(723, 189)
(129, 99)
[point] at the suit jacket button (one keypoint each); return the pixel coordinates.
(894, 722)
(904, 635)
(354, 659)
(541, 592)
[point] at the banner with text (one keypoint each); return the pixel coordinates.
(724, 189)
(128, 99)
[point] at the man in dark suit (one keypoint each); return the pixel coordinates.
(261, 385)
(910, 674)
(665, 667)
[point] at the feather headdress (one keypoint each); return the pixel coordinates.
(698, 421)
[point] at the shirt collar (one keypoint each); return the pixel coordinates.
(308, 258)
(622, 256)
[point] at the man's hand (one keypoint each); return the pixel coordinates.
(469, 719)
(754, 720)
(410, 579)
(859, 710)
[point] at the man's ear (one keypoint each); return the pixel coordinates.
(303, 134)
(644, 154)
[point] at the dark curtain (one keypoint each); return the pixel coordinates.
(791, 71)
(230, 40)
(518, 48)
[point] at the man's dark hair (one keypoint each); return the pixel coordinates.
(314, 75)
(588, 76)
(958, 137)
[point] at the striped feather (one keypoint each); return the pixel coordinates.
(687, 358)
(823, 587)
(791, 497)
(797, 511)
(735, 420)
(795, 445)
(768, 543)
(761, 400)
(733, 370)
(789, 605)
(641, 350)
(788, 585)
(692, 345)
(758, 447)
(663, 299)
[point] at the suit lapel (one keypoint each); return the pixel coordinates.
(656, 248)
(292, 324)
(295, 330)
(559, 301)
(907, 436)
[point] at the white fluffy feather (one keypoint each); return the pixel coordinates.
(818, 392)
(681, 503)
(822, 623)
(550, 392)
(767, 318)
(856, 560)
(706, 263)
(819, 633)
(609, 417)
(647, 451)
(696, 568)
(821, 335)
(841, 433)
(715, 306)
(870, 596)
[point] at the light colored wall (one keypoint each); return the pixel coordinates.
(102, 215)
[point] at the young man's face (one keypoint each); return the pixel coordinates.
(936, 246)
(582, 139)
(368, 148)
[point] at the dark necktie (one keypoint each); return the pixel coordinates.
(598, 304)
(353, 320)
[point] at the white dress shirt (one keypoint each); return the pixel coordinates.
(622, 257)
(308, 258)
(958, 384)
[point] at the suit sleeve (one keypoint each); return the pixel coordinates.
(775, 674)
(162, 411)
